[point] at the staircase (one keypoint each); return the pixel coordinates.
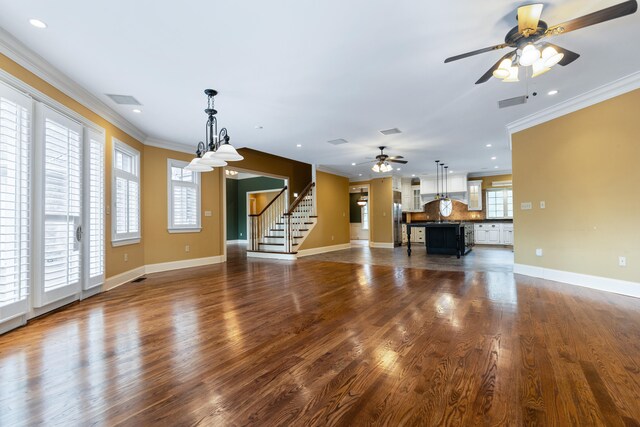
(279, 230)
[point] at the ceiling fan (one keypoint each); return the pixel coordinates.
(382, 161)
(528, 38)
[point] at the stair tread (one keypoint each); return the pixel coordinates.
(274, 252)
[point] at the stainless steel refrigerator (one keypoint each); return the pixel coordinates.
(397, 218)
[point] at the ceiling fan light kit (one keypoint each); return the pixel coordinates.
(213, 153)
(528, 40)
(382, 161)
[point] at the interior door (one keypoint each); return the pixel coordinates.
(60, 159)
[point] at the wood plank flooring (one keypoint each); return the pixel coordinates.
(308, 342)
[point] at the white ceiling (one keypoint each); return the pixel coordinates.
(312, 71)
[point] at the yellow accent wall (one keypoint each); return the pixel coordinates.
(115, 263)
(380, 209)
(585, 167)
(332, 197)
(162, 246)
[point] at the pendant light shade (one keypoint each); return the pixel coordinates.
(211, 158)
(530, 54)
(376, 168)
(227, 152)
(539, 68)
(551, 56)
(362, 201)
(196, 166)
(503, 71)
(513, 75)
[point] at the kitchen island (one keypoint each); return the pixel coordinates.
(442, 238)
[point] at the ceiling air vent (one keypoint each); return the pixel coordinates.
(123, 99)
(392, 131)
(338, 141)
(512, 101)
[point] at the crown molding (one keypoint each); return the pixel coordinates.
(27, 58)
(169, 145)
(587, 99)
(326, 169)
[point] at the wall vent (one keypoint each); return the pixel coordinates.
(338, 141)
(518, 100)
(391, 131)
(501, 183)
(123, 99)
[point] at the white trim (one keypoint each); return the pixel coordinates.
(323, 249)
(271, 255)
(595, 96)
(606, 284)
(21, 54)
(169, 145)
(187, 263)
(125, 242)
(382, 245)
(184, 230)
(122, 278)
(237, 241)
(128, 238)
(325, 169)
(16, 322)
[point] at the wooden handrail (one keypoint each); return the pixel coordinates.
(301, 196)
(271, 202)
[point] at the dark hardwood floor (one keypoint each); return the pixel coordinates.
(309, 342)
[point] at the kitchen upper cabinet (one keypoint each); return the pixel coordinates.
(456, 184)
(411, 200)
(474, 194)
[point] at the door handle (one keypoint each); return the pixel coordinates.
(79, 233)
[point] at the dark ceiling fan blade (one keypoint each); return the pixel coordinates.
(396, 157)
(486, 76)
(404, 162)
(613, 12)
(476, 52)
(569, 56)
(528, 18)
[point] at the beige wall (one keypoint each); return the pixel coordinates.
(381, 203)
(585, 167)
(162, 246)
(262, 200)
(332, 197)
(115, 263)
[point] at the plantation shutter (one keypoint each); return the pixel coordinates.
(94, 233)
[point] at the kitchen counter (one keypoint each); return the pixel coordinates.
(444, 238)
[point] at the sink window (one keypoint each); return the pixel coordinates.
(500, 203)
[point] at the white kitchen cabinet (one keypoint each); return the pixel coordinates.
(456, 185)
(488, 233)
(474, 194)
(407, 195)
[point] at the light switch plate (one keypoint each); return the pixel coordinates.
(538, 252)
(542, 204)
(207, 213)
(525, 206)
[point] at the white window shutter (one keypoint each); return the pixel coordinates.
(94, 230)
(15, 207)
(183, 197)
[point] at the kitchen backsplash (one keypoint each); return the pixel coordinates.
(459, 213)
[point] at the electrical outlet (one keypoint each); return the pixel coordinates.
(107, 210)
(542, 204)
(240, 234)
(331, 237)
(126, 257)
(186, 248)
(622, 261)
(538, 252)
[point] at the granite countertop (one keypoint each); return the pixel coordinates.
(466, 221)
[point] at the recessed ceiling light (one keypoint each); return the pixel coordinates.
(398, 169)
(353, 164)
(488, 145)
(359, 174)
(450, 171)
(495, 167)
(413, 174)
(137, 110)
(298, 145)
(493, 158)
(37, 23)
(552, 92)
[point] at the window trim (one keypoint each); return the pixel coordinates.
(505, 201)
(123, 239)
(172, 228)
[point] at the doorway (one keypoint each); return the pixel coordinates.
(359, 218)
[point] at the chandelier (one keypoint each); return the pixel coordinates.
(217, 151)
(362, 201)
(530, 56)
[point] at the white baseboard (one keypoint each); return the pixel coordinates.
(16, 322)
(323, 249)
(187, 263)
(381, 245)
(237, 241)
(271, 255)
(122, 278)
(606, 284)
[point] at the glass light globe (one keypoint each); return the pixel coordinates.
(502, 72)
(551, 56)
(530, 54)
(228, 152)
(376, 168)
(513, 75)
(211, 159)
(539, 68)
(196, 166)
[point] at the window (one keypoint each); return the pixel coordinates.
(500, 203)
(125, 221)
(365, 216)
(15, 218)
(95, 217)
(184, 198)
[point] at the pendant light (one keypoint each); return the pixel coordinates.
(362, 201)
(216, 150)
